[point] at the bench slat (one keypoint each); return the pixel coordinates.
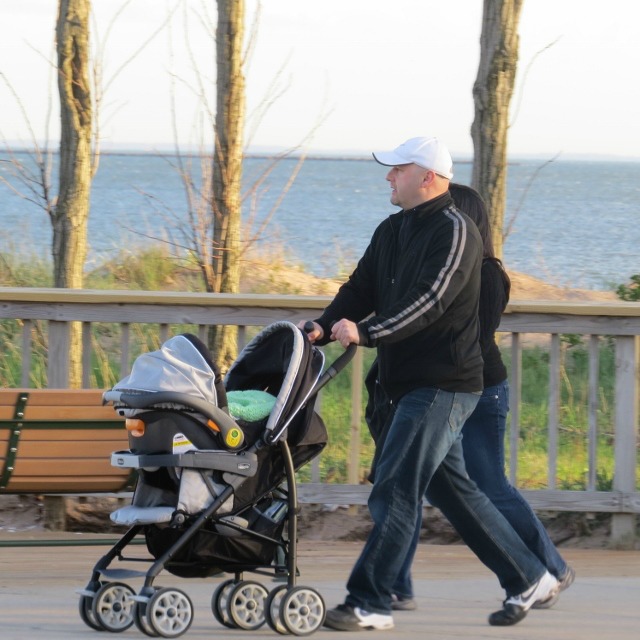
(77, 434)
(50, 468)
(96, 449)
(61, 413)
(53, 397)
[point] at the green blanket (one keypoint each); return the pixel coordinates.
(250, 405)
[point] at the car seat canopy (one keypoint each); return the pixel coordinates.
(181, 365)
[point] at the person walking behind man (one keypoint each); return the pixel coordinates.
(414, 296)
(483, 433)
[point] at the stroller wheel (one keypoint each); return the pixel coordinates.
(140, 620)
(169, 612)
(302, 611)
(219, 602)
(246, 604)
(85, 608)
(272, 609)
(113, 606)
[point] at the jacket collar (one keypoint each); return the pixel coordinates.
(431, 206)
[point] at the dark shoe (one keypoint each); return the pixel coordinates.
(565, 581)
(398, 603)
(508, 615)
(346, 618)
(567, 578)
(515, 608)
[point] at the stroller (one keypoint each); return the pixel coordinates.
(216, 487)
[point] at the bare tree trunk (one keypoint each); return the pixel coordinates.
(227, 167)
(492, 94)
(70, 215)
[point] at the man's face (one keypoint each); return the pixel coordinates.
(408, 184)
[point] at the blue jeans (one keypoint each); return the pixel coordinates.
(483, 446)
(423, 443)
(483, 450)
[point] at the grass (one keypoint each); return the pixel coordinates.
(154, 269)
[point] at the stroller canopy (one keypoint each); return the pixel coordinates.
(282, 362)
(183, 365)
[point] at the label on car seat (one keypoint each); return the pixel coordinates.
(182, 444)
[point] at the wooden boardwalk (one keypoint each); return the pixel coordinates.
(455, 593)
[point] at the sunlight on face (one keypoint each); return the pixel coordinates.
(408, 187)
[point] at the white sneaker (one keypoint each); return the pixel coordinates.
(541, 590)
(564, 582)
(515, 608)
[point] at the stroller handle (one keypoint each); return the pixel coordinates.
(336, 367)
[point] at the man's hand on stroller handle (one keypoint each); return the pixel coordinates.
(312, 329)
(344, 331)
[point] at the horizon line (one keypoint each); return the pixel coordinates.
(146, 149)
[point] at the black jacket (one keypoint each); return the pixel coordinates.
(420, 278)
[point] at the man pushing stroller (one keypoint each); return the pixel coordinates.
(414, 297)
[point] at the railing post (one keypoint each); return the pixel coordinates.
(124, 349)
(353, 473)
(594, 363)
(242, 337)
(58, 355)
(626, 419)
(86, 355)
(26, 353)
(554, 410)
(515, 398)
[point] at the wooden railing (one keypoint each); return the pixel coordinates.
(618, 321)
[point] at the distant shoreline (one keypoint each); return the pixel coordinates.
(247, 156)
(333, 156)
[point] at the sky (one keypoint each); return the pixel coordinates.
(338, 76)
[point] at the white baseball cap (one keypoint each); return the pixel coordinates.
(427, 152)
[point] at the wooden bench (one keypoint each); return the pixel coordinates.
(59, 441)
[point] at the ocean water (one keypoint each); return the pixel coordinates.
(574, 224)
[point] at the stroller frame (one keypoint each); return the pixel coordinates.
(108, 604)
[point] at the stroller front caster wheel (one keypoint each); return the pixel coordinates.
(302, 611)
(140, 620)
(113, 607)
(246, 605)
(85, 608)
(219, 602)
(272, 609)
(169, 612)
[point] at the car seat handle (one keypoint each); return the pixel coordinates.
(231, 433)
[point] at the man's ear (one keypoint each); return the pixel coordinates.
(428, 178)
